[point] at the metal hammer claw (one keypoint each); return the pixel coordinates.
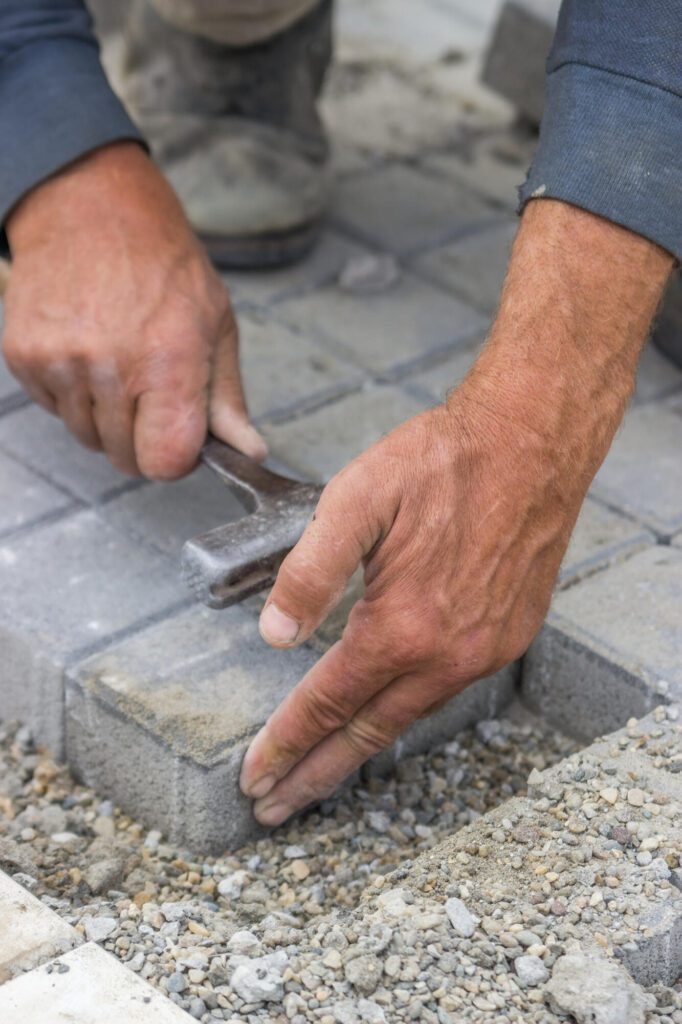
(230, 563)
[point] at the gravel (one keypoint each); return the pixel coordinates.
(311, 924)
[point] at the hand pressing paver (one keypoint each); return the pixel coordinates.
(600, 537)
(86, 986)
(161, 721)
(642, 474)
(405, 211)
(391, 330)
(66, 589)
(43, 443)
(30, 933)
(610, 648)
(25, 498)
(320, 444)
(474, 268)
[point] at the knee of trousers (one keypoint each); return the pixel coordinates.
(234, 22)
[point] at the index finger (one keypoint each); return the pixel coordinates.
(327, 697)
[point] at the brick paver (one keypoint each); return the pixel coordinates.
(67, 588)
(403, 211)
(387, 331)
(610, 648)
(600, 537)
(642, 474)
(25, 498)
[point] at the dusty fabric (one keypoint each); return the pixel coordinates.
(235, 22)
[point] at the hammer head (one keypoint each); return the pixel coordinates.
(230, 563)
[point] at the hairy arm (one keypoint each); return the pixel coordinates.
(462, 515)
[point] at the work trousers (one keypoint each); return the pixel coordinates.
(234, 22)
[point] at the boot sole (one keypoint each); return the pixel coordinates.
(261, 252)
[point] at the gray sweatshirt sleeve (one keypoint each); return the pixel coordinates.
(55, 101)
(611, 135)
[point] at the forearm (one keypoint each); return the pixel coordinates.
(575, 312)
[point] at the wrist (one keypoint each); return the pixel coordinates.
(77, 195)
(575, 312)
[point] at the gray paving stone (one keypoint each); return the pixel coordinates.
(283, 369)
(30, 933)
(642, 474)
(492, 166)
(515, 64)
(67, 587)
(161, 721)
(44, 444)
(9, 385)
(600, 537)
(387, 330)
(92, 987)
(25, 498)
(320, 444)
(610, 648)
(264, 287)
(445, 374)
(404, 211)
(164, 516)
(474, 268)
(657, 377)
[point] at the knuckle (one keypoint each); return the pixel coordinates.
(366, 736)
(325, 711)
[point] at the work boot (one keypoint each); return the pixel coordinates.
(236, 131)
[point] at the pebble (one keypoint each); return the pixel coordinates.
(460, 918)
(260, 980)
(98, 929)
(531, 970)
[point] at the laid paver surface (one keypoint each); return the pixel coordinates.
(610, 647)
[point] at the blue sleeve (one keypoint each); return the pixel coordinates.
(55, 101)
(611, 134)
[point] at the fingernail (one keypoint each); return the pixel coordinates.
(276, 627)
(260, 788)
(272, 813)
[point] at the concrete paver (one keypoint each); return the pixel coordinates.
(25, 498)
(284, 370)
(44, 444)
(165, 515)
(86, 986)
(600, 537)
(30, 933)
(642, 474)
(473, 269)
(610, 648)
(68, 587)
(262, 288)
(492, 165)
(161, 721)
(403, 210)
(386, 331)
(347, 427)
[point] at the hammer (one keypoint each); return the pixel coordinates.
(230, 563)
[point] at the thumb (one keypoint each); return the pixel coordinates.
(227, 413)
(313, 577)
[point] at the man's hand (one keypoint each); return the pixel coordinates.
(462, 515)
(116, 321)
